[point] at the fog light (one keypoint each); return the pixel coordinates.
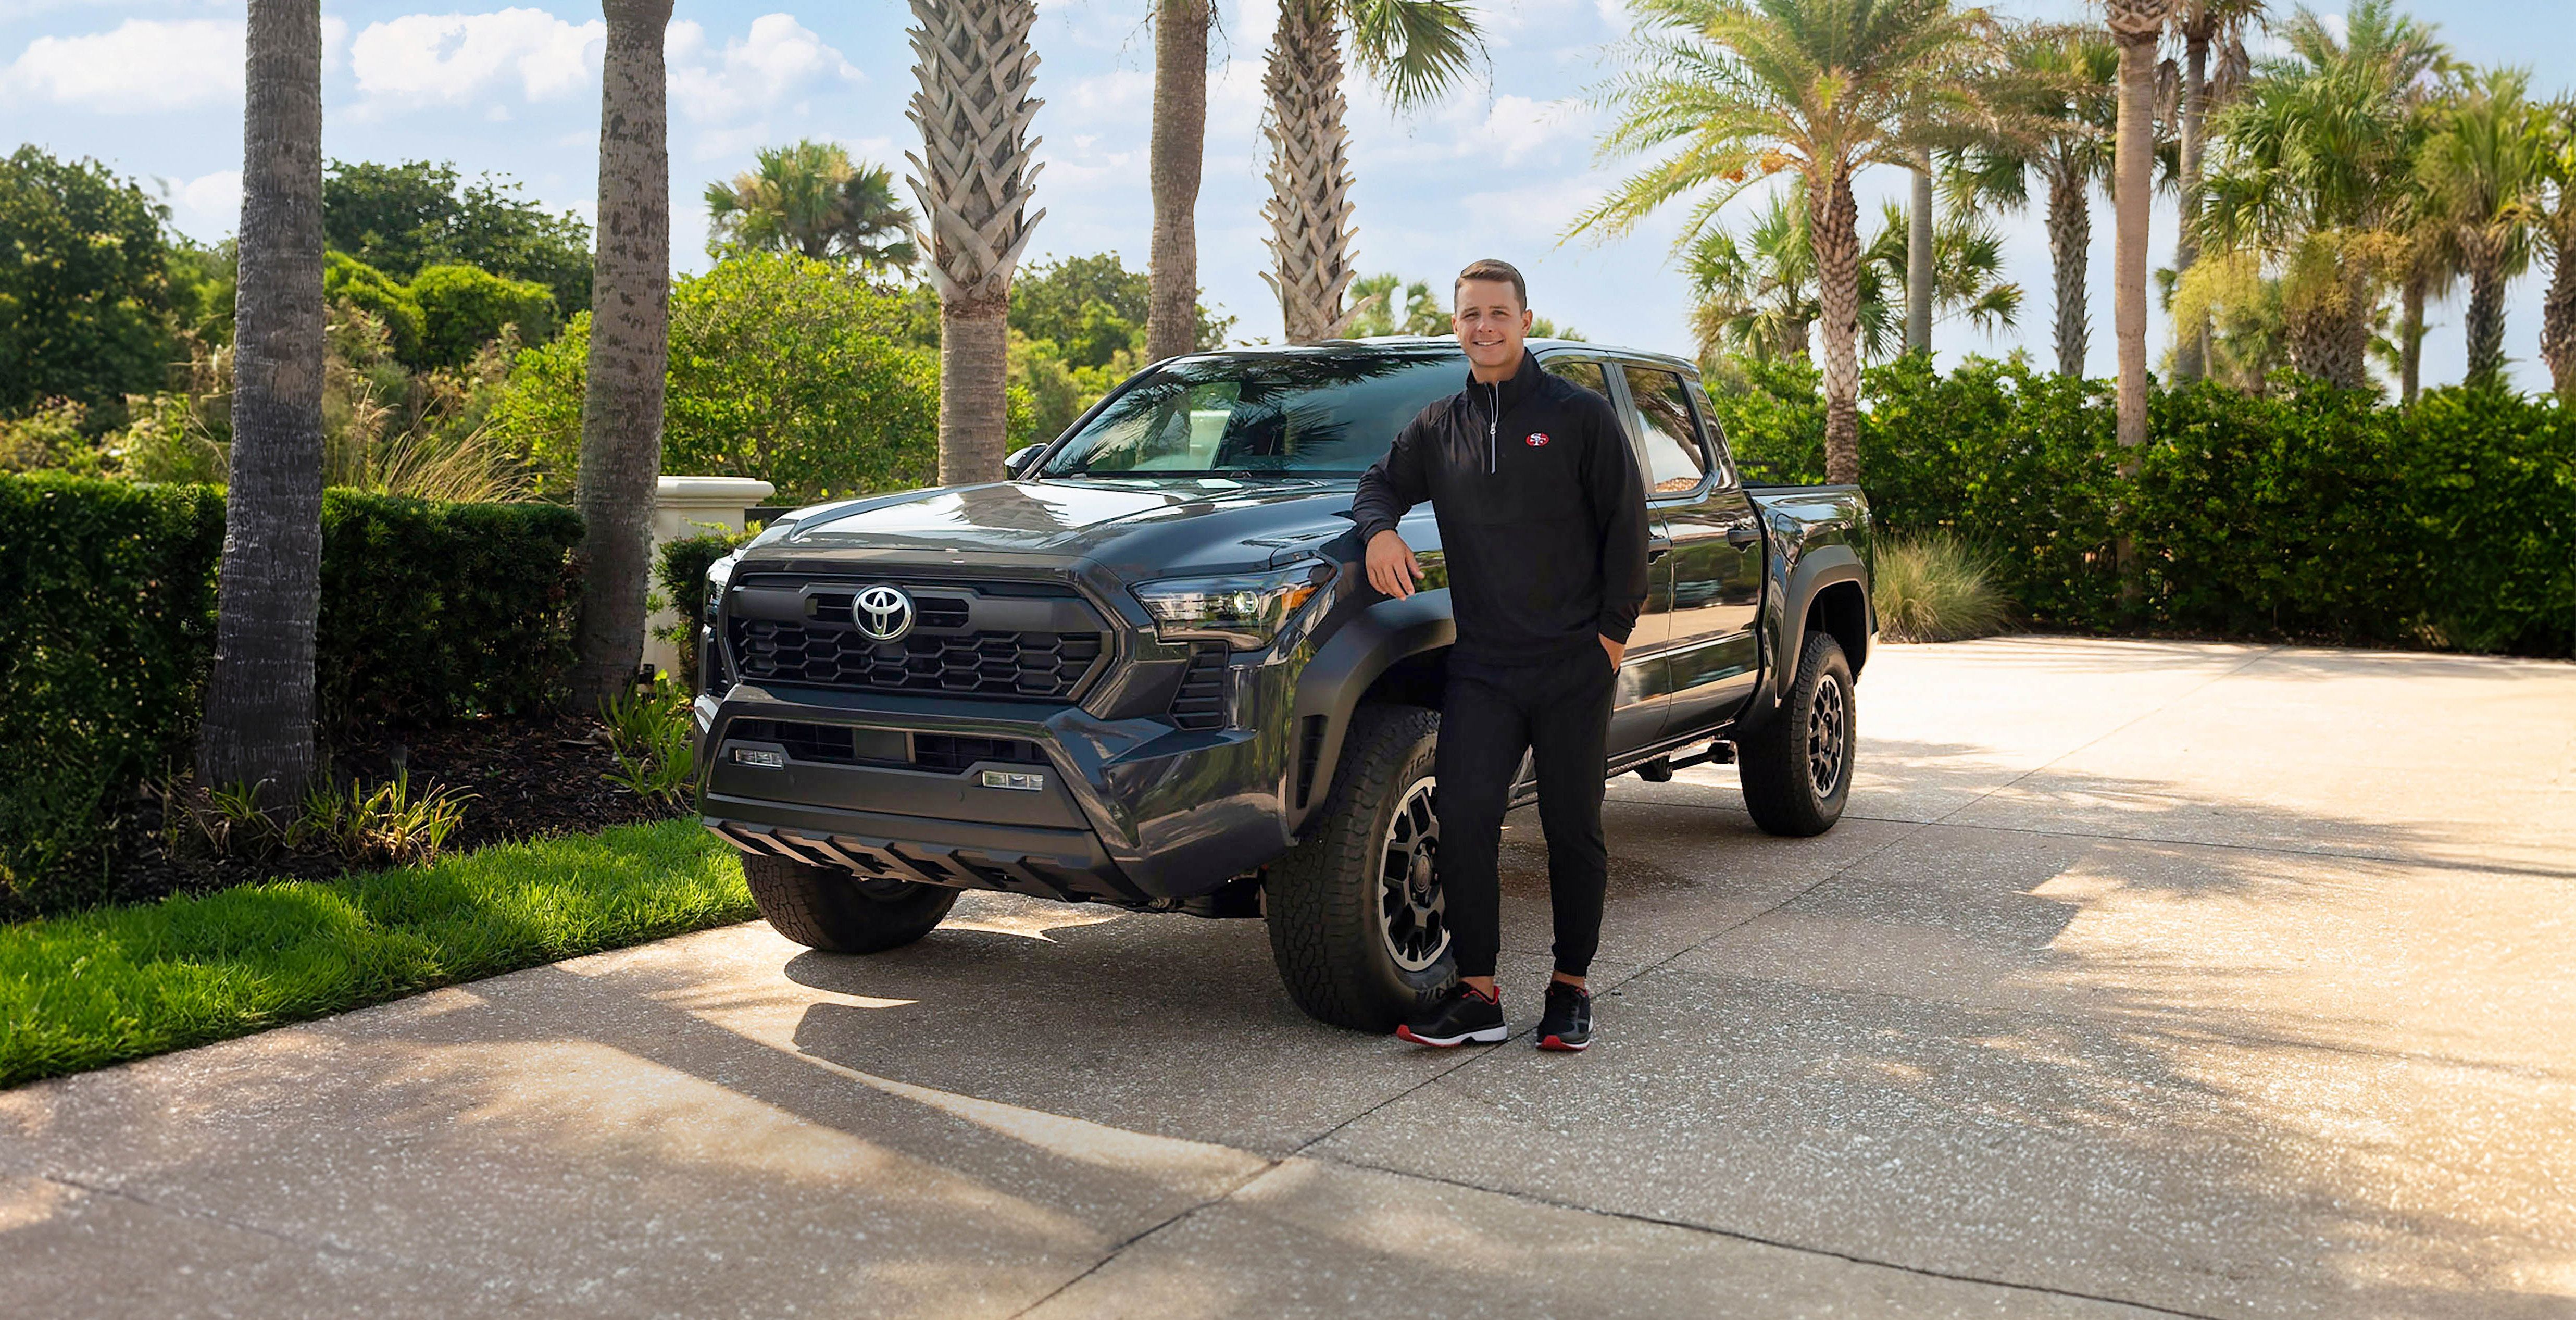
(1013, 779)
(755, 756)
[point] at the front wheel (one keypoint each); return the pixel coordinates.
(837, 912)
(1796, 767)
(1357, 919)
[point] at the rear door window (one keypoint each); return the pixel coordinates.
(1583, 373)
(1675, 461)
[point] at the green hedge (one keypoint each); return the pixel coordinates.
(429, 612)
(2308, 513)
(681, 571)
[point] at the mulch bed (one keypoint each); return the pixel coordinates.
(528, 776)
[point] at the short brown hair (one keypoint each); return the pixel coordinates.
(1489, 268)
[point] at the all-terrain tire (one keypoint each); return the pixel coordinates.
(837, 912)
(1796, 766)
(1322, 899)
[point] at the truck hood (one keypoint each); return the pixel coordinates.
(1135, 529)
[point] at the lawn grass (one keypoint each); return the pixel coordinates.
(94, 988)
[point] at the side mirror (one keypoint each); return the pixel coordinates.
(1017, 463)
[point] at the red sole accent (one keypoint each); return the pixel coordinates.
(1552, 1043)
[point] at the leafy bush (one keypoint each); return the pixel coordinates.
(681, 572)
(111, 601)
(429, 611)
(2307, 512)
(345, 278)
(1934, 589)
(653, 735)
(85, 291)
(464, 307)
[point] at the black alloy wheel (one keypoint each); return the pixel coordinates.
(1412, 911)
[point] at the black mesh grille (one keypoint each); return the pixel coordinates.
(833, 744)
(1200, 704)
(930, 612)
(940, 751)
(985, 664)
(804, 742)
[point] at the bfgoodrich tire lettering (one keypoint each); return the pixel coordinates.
(1796, 767)
(1327, 932)
(838, 912)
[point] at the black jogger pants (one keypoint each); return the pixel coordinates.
(1559, 711)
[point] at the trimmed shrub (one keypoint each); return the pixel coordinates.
(464, 307)
(382, 296)
(429, 612)
(681, 571)
(435, 611)
(111, 601)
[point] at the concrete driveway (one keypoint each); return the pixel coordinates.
(2141, 979)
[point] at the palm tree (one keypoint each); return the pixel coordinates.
(1755, 296)
(2557, 226)
(1384, 304)
(1729, 90)
(2482, 172)
(973, 177)
(2135, 25)
(1174, 161)
(258, 728)
(2204, 25)
(1418, 49)
(1966, 280)
(2066, 89)
(630, 350)
(2313, 162)
(810, 197)
(2427, 265)
(1920, 259)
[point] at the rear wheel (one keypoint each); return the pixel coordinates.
(1357, 918)
(837, 912)
(1796, 767)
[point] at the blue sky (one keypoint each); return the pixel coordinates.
(154, 88)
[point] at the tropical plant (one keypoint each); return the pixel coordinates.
(2482, 172)
(387, 825)
(1385, 304)
(973, 176)
(1725, 92)
(2312, 163)
(1418, 49)
(258, 727)
(652, 736)
(2135, 25)
(629, 351)
(2066, 88)
(809, 197)
(1754, 294)
(2204, 27)
(1174, 160)
(2557, 226)
(1934, 588)
(1966, 282)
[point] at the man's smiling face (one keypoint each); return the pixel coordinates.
(1490, 323)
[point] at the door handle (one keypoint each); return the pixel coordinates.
(1657, 548)
(1742, 535)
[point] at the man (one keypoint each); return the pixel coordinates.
(1543, 521)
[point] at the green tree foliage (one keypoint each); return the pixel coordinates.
(403, 219)
(810, 198)
(464, 308)
(84, 286)
(1093, 308)
(782, 368)
(345, 278)
(1386, 305)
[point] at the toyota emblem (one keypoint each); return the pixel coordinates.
(883, 613)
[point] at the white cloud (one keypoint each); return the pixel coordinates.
(216, 195)
(776, 59)
(430, 59)
(142, 65)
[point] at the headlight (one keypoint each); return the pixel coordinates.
(1246, 610)
(719, 574)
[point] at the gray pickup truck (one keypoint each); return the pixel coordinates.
(1148, 671)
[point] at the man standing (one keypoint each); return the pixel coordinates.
(1543, 522)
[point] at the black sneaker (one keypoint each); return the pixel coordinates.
(1567, 1024)
(1464, 1016)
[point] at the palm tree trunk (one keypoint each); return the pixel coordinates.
(2191, 345)
(2486, 318)
(630, 349)
(2133, 163)
(1834, 219)
(2410, 336)
(2558, 321)
(258, 727)
(1178, 152)
(1310, 177)
(1918, 259)
(976, 70)
(2070, 242)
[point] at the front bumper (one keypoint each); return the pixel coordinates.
(1130, 811)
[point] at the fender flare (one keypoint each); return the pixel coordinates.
(1372, 641)
(1820, 567)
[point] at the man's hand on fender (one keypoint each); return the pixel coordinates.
(1616, 650)
(1392, 569)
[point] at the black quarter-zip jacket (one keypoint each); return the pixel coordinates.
(1542, 513)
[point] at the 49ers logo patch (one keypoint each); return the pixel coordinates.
(1537, 439)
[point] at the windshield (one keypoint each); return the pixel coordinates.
(1322, 414)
